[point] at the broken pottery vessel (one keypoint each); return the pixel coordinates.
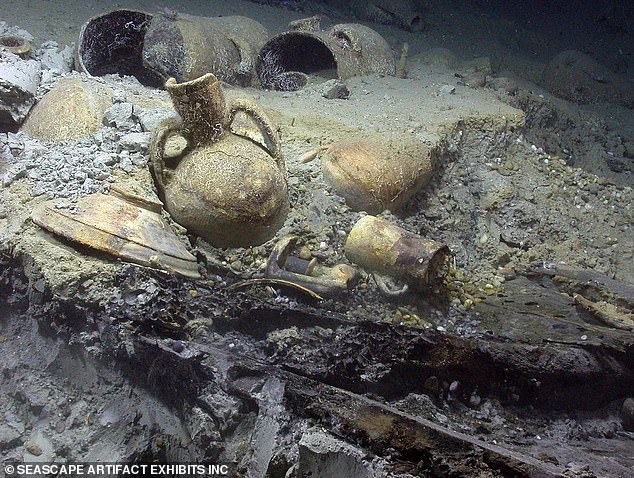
(124, 225)
(170, 44)
(228, 189)
(185, 47)
(346, 50)
(382, 247)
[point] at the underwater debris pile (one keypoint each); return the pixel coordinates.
(513, 347)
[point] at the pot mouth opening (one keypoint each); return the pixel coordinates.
(11, 41)
(113, 44)
(285, 60)
(15, 44)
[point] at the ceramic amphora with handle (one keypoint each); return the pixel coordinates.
(227, 188)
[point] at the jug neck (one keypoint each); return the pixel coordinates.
(202, 107)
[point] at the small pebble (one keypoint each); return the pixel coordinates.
(432, 385)
(305, 253)
(627, 414)
(33, 448)
(335, 89)
(474, 400)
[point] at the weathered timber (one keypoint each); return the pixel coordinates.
(383, 428)
(367, 422)
(528, 356)
(589, 283)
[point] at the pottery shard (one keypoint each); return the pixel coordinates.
(124, 225)
(73, 109)
(19, 80)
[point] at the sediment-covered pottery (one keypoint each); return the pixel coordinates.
(228, 189)
(377, 172)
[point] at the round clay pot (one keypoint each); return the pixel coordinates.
(228, 189)
(377, 172)
(72, 110)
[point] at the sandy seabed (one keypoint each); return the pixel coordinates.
(530, 180)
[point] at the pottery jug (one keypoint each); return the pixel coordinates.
(227, 188)
(185, 47)
(347, 49)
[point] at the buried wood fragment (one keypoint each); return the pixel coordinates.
(331, 360)
(381, 427)
(385, 429)
(606, 313)
(587, 282)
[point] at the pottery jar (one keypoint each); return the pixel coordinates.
(227, 188)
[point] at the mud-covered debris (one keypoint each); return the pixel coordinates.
(19, 80)
(627, 414)
(122, 116)
(326, 281)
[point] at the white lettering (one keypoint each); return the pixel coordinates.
(218, 470)
(96, 469)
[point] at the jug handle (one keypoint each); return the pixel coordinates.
(157, 147)
(264, 125)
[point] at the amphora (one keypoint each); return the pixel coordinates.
(227, 188)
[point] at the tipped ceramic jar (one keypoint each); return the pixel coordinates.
(382, 247)
(170, 44)
(112, 42)
(227, 189)
(350, 49)
(377, 172)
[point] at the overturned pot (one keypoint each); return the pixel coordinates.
(384, 248)
(112, 43)
(376, 172)
(228, 189)
(186, 47)
(344, 51)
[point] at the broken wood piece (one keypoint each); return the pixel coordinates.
(279, 282)
(401, 71)
(606, 313)
(377, 425)
(382, 428)
(586, 282)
